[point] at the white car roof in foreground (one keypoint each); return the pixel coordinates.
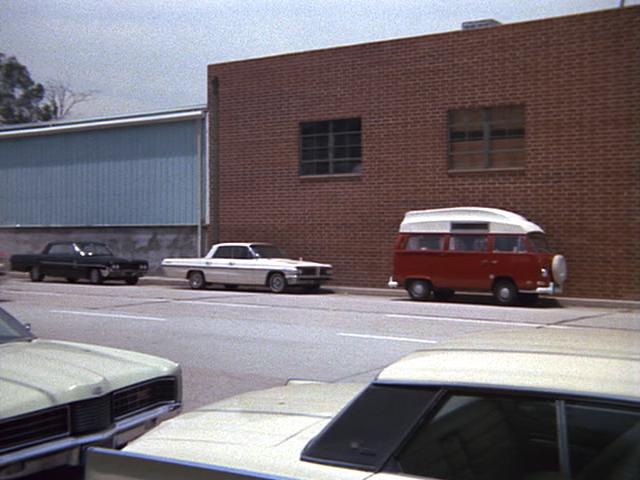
(440, 220)
(585, 362)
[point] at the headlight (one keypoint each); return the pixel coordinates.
(544, 272)
(115, 266)
(143, 267)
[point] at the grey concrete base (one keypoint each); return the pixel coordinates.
(146, 243)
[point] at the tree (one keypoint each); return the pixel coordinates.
(61, 98)
(20, 96)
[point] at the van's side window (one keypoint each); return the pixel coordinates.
(509, 244)
(425, 242)
(468, 243)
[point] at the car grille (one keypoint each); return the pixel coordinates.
(91, 415)
(314, 272)
(143, 396)
(86, 416)
(34, 428)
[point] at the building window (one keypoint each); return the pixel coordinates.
(486, 138)
(331, 147)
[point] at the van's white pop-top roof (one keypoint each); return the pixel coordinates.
(441, 220)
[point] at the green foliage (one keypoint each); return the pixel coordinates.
(21, 99)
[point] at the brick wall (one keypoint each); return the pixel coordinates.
(578, 78)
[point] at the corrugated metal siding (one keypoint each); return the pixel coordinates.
(137, 175)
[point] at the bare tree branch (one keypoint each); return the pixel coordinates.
(62, 99)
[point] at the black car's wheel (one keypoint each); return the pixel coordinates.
(277, 283)
(95, 276)
(419, 290)
(72, 279)
(443, 294)
(197, 280)
(505, 292)
(131, 280)
(35, 275)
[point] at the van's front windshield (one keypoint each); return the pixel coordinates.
(539, 242)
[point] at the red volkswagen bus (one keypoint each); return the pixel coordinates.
(475, 249)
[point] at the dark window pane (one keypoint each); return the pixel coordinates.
(326, 147)
(307, 154)
(223, 252)
(367, 431)
(321, 153)
(509, 244)
(485, 438)
(425, 242)
(346, 167)
(468, 243)
(355, 152)
(340, 152)
(604, 442)
(314, 127)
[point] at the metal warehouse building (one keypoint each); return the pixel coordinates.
(137, 183)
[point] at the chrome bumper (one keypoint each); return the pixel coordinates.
(69, 450)
(552, 289)
(392, 283)
(295, 279)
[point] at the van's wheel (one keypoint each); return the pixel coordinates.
(443, 294)
(196, 280)
(505, 292)
(35, 275)
(95, 276)
(419, 290)
(277, 283)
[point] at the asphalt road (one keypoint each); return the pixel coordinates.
(229, 342)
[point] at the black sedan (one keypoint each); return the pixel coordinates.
(79, 260)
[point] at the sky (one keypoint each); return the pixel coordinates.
(151, 55)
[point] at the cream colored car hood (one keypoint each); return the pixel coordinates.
(262, 431)
(43, 373)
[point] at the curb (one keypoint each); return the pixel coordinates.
(400, 293)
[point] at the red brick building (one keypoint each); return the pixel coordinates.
(322, 152)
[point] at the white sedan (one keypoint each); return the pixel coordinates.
(248, 264)
(547, 404)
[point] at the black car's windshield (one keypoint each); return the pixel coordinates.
(268, 251)
(12, 330)
(94, 249)
(539, 242)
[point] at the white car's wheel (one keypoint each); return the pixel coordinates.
(197, 280)
(277, 282)
(559, 269)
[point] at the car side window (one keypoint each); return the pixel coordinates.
(484, 437)
(242, 253)
(61, 249)
(223, 252)
(468, 243)
(604, 442)
(509, 244)
(424, 242)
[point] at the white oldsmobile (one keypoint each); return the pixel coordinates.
(248, 264)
